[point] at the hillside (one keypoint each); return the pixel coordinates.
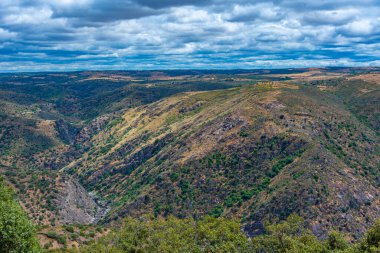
(45, 120)
(94, 147)
(257, 152)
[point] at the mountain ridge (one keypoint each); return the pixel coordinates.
(243, 145)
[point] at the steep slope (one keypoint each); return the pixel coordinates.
(23, 133)
(308, 145)
(255, 152)
(46, 120)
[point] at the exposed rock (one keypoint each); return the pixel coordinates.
(94, 127)
(75, 204)
(66, 131)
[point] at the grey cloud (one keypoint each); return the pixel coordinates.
(171, 3)
(302, 5)
(335, 17)
(104, 11)
(189, 33)
(246, 13)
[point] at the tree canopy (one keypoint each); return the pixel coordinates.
(17, 234)
(224, 235)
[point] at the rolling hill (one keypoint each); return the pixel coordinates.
(254, 145)
(257, 152)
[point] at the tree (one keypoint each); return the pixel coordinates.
(335, 241)
(371, 241)
(173, 235)
(17, 235)
(289, 236)
(212, 234)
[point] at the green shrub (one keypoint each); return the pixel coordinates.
(174, 177)
(17, 235)
(69, 229)
(217, 211)
(59, 238)
(173, 235)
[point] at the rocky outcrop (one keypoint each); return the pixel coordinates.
(66, 131)
(75, 204)
(91, 129)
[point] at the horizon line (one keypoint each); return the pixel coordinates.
(188, 69)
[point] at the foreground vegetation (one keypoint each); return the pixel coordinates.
(17, 234)
(209, 234)
(191, 145)
(224, 235)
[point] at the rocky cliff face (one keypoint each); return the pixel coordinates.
(75, 205)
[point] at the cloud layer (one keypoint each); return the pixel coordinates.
(40, 35)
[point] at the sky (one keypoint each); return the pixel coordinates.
(65, 35)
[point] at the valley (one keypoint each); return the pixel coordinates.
(90, 148)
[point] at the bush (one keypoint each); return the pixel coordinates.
(173, 235)
(335, 241)
(174, 177)
(59, 238)
(217, 211)
(17, 235)
(69, 229)
(371, 241)
(288, 236)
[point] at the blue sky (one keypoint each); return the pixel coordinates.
(55, 35)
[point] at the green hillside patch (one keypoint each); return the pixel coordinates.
(17, 234)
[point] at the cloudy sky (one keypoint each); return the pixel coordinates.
(170, 34)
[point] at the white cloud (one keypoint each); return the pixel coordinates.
(189, 33)
(6, 35)
(359, 28)
(28, 16)
(333, 17)
(262, 11)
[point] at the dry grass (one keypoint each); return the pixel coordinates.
(373, 78)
